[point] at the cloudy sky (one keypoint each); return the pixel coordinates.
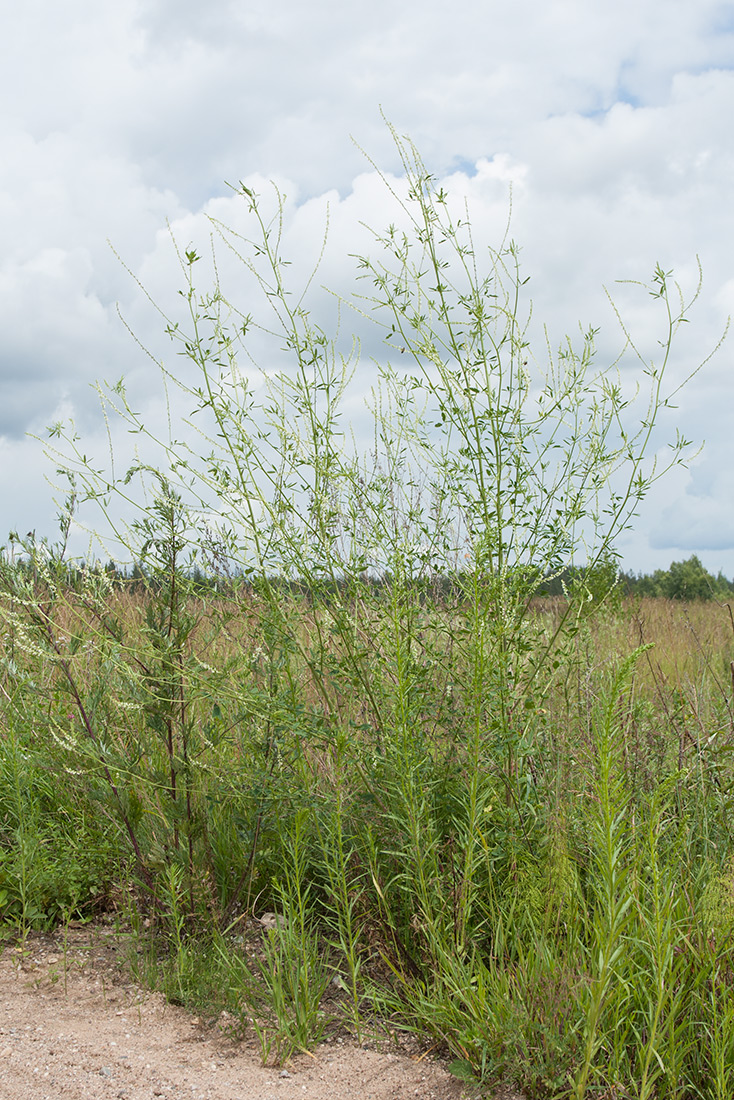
(612, 123)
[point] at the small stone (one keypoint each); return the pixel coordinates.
(272, 920)
(284, 1073)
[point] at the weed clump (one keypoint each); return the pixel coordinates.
(332, 688)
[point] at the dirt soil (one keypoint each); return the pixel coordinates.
(73, 1028)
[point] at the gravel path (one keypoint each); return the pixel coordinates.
(102, 1039)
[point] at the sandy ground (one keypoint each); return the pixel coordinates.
(79, 1031)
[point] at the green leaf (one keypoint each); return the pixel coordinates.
(463, 1069)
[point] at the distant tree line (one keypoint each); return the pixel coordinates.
(684, 580)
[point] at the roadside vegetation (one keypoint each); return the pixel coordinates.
(336, 686)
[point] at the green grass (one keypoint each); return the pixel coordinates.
(568, 926)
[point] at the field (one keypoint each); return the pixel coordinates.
(533, 870)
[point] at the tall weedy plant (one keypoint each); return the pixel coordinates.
(398, 690)
(489, 467)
